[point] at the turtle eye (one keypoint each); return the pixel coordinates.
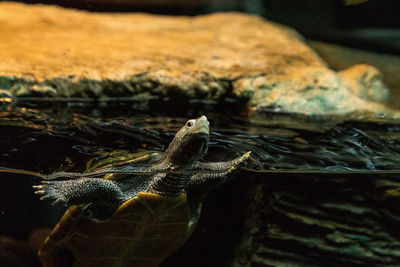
(189, 123)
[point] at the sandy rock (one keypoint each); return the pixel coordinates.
(339, 58)
(52, 51)
(365, 82)
(317, 90)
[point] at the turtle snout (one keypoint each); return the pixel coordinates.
(202, 125)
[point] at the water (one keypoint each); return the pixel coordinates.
(49, 137)
(279, 142)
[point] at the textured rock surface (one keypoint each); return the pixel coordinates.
(339, 58)
(365, 82)
(315, 90)
(72, 53)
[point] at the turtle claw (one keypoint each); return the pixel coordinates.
(243, 158)
(40, 192)
(239, 161)
(37, 187)
(246, 155)
(51, 191)
(232, 168)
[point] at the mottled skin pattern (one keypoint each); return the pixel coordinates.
(105, 196)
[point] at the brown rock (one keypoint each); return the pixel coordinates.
(366, 82)
(65, 42)
(339, 57)
(52, 51)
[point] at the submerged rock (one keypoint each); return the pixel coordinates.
(322, 220)
(72, 53)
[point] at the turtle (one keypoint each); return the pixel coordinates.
(139, 217)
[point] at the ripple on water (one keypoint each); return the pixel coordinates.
(279, 142)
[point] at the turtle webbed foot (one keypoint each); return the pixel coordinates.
(51, 190)
(243, 158)
(238, 162)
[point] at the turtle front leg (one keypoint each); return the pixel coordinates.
(214, 174)
(223, 166)
(79, 191)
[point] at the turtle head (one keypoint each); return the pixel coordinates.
(190, 142)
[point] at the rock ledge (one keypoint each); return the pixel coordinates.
(70, 53)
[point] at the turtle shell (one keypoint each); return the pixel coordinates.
(121, 157)
(142, 232)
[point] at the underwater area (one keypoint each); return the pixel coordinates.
(314, 188)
